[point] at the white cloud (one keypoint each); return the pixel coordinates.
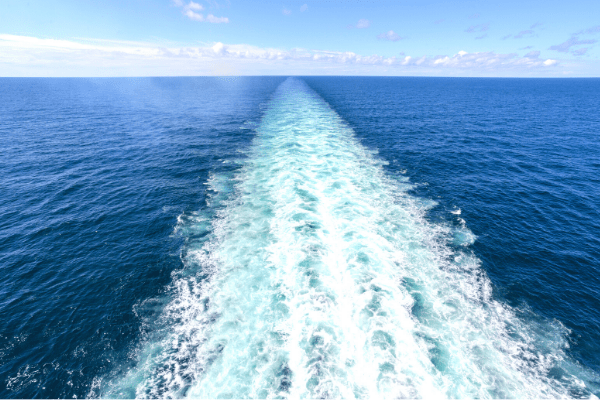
(391, 35)
(216, 20)
(30, 56)
(490, 61)
(304, 7)
(194, 16)
(285, 11)
(363, 23)
(218, 48)
(191, 9)
(194, 6)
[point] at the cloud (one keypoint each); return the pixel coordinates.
(390, 35)
(478, 28)
(573, 41)
(580, 52)
(527, 32)
(217, 20)
(490, 60)
(589, 31)
(285, 11)
(194, 6)
(532, 54)
(304, 7)
(216, 5)
(363, 23)
(194, 16)
(526, 48)
(191, 10)
(524, 33)
(48, 57)
(473, 16)
(482, 36)
(439, 21)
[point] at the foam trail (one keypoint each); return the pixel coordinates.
(323, 279)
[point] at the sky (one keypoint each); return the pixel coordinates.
(322, 37)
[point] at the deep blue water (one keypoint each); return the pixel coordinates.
(158, 234)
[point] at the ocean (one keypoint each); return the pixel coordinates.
(302, 237)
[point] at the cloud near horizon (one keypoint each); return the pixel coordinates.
(144, 60)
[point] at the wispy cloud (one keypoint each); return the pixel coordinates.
(390, 35)
(67, 57)
(285, 11)
(361, 24)
(478, 28)
(525, 33)
(580, 52)
(216, 20)
(192, 11)
(473, 16)
(439, 21)
(482, 36)
(304, 7)
(194, 6)
(533, 54)
(573, 41)
(589, 31)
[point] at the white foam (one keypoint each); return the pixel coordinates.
(322, 278)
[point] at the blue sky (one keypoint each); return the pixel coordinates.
(232, 37)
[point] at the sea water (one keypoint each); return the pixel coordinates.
(302, 260)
